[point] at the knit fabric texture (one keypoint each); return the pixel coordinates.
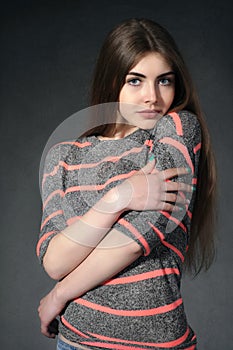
(141, 307)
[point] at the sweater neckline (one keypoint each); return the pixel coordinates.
(137, 134)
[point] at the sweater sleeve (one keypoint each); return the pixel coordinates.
(53, 220)
(177, 143)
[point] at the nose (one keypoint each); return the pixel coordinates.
(150, 94)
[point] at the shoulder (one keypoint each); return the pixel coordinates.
(180, 124)
(179, 119)
(66, 150)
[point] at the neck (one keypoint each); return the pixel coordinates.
(120, 133)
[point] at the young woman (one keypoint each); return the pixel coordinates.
(120, 219)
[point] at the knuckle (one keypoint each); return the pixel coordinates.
(174, 197)
(169, 207)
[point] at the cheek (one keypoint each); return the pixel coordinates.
(121, 95)
(169, 97)
(124, 96)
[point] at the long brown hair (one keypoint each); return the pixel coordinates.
(122, 49)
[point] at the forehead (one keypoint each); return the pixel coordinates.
(151, 63)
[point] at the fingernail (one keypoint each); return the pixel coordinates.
(152, 157)
(188, 170)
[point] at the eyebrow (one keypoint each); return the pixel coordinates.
(143, 76)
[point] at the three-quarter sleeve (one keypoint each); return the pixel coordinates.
(53, 220)
(177, 143)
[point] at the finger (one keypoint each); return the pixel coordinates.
(166, 206)
(175, 198)
(154, 171)
(174, 172)
(45, 331)
(178, 186)
(170, 207)
(149, 167)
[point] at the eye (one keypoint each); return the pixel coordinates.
(134, 81)
(166, 81)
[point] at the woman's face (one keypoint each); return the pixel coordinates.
(148, 92)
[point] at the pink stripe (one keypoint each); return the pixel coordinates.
(67, 167)
(183, 149)
(136, 233)
(75, 330)
(53, 172)
(196, 148)
(111, 346)
(73, 167)
(89, 187)
(193, 347)
(75, 143)
(99, 187)
(149, 143)
(165, 345)
(56, 213)
(143, 276)
(177, 251)
(179, 223)
(164, 242)
(125, 347)
(42, 239)
(115, 159)
(60, 192)
(70, 221)
(130, 313)
(178, 124)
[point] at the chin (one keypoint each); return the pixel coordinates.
(147, 125)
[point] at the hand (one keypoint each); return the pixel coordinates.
(149, 189)
(50, 307)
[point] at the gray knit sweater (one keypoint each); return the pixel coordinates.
(141, 307)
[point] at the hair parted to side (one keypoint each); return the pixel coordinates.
(122, 49)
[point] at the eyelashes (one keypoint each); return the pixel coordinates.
(165, 81)
(134, 81)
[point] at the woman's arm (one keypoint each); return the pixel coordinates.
(177, 143)
(62, 246)
(113, 254)
(145, 191)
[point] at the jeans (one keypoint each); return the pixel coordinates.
(61, 345)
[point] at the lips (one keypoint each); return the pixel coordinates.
(150, 113)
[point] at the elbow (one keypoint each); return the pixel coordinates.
(53, 275)
(135, 249)
(51, 269)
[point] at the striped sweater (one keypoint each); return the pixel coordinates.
(141, 307)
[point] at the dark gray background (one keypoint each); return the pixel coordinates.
(48, 50)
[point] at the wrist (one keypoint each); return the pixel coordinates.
(112, 202)
(59, 294)
(67, 290)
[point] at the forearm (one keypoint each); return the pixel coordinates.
(71, 246)
(103, 263)
(115, 252)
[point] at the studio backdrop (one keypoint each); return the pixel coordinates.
(48, 51)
